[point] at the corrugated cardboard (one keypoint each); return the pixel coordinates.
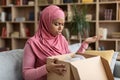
(91, 68)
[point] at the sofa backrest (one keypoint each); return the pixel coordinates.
(11, 65)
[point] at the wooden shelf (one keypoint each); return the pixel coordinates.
(96, 9)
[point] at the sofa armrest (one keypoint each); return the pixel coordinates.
(11, 65)
(117, 69)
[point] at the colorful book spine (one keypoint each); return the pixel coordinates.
(4, 32)
(3, 2)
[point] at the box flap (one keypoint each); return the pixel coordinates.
(107, 69)
(89, 69)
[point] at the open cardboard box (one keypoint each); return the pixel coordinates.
(91, 68)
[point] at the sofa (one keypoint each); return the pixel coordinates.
(11, 65)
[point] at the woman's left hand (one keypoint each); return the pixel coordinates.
(92, 39)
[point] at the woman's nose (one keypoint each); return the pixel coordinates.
(60, 27)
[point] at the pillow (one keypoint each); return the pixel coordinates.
(107, 54)
(74, 47)
(114, 58)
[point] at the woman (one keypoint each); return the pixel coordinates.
(48, 41)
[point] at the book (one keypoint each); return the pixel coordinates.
(22, 34)
(42, 2)
(15, 34)
(4, 32)
(27, 32)
(3, 2)
(25, 2)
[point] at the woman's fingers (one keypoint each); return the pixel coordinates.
(59, 68)
(53, 66)
(55, 60)
(60, 71)
(100, 37)
(59, 65)
(93, 39)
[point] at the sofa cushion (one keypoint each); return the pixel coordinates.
(11, 65)
(74, 47)
(117, 69)
(114, 58)
(115, 78)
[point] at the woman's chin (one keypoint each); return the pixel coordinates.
(56, 34)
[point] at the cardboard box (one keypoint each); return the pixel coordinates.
(91, 68)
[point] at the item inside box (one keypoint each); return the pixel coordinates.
(74, 58)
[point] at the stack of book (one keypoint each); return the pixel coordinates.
(56, 1)
(115, 34)
(15, 34)
(20, 19)
(108, 14)
(42, 2)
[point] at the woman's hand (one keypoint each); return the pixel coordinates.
(92, 39)
(56, 68)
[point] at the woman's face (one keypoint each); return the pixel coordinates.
(57, 26)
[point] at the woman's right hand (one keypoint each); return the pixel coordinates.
(56, 68)
(93, 39)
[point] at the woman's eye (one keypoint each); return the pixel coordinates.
(62, 24)
(58, 24)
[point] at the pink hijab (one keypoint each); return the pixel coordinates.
(43, 43)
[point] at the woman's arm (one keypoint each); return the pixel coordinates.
(87, 41)
(29, 72)
(83, 47)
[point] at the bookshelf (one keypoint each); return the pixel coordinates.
(23, 15)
